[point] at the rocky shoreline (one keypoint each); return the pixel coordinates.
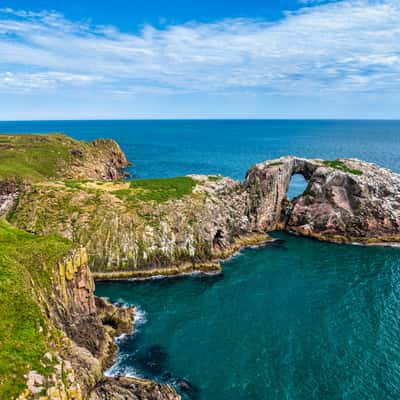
(164, 227)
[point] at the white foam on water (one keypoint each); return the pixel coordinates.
(121, 370)
(118, 369)
(140, 317)
(122, 303)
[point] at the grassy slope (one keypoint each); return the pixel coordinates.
(24, 258)
(133, 192)
(34, 157)
(158, 190)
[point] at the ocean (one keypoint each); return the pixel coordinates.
(297, 319)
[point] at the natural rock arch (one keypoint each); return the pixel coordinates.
(346, 200)
(268, 184)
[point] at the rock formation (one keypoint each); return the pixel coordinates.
(346, 200)
(142, 228)
(76, 328)
(181, 225)
(136, 232)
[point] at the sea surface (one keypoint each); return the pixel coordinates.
(295, 320)
(298, 319)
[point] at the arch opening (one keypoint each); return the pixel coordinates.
(297, 186)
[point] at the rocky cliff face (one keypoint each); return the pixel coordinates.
(135, 232)
(146, 228)
(84, 346)
(346, 200)
(100, 159)
(267, 184)
(8, 195)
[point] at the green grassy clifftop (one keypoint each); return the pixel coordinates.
(36, 158)
(141, 227)
(26, 266)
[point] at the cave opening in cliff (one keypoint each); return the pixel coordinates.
(297, 186)
(219, 239)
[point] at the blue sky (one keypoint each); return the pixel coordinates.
(191, 59)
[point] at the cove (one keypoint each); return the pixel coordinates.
(297, 319)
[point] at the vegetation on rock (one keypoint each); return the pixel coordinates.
(39, 157)
(158, 190)
(26, 263)
(341, 166)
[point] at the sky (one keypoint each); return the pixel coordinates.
(162, 59)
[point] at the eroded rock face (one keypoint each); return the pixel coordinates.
(132, 389)
(343, 206)
(8, 195)
(346, 200)
(105, 160)
(147, 237)
(267, 184)
(86, 328)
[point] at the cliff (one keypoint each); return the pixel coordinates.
(33, 158)
(146, 227)
(346, 200)
(172, 226)
(56, 337)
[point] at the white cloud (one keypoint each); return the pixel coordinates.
(43, 80)
(340, 47)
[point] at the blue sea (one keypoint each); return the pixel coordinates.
(295, 320)
(174, 148)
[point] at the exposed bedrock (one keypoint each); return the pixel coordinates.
(186, 224)
(346, 200)
(267, 184)
(8, 195)
(83, 344)
(132, 232)
(132, 389)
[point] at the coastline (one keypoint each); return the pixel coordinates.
(383, 241)
(212, 267)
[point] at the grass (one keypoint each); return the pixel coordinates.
(275, 164)
(337, 164)
(73, 184)
(34, 157)
(214, 178)
(157, 190)
(43, 157)
(26, 263)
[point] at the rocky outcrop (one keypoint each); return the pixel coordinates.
(8, 195)
(129, 237)
(85, 346)
(346, 200)
(267, 184)
(100, 159)
(132, 389)
(130, 232)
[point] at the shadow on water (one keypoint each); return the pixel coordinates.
(153, 362)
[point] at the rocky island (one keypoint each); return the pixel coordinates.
(68, 216)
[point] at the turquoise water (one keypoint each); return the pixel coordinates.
(298, 319)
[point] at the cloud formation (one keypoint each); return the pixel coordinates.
(351, 45)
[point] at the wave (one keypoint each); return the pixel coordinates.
(119, 368)
(140, 317)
